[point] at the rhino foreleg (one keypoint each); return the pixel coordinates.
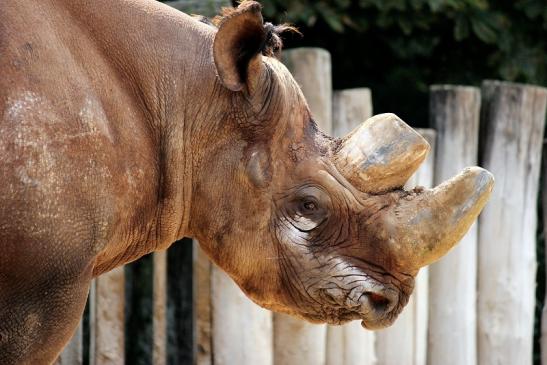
(38, 317)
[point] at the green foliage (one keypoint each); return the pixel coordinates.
(516, 30)
(399, 47)
(207, 8)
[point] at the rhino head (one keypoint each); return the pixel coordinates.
(306, 224)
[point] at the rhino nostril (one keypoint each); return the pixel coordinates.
(378, 301)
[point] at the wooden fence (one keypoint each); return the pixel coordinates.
(475, 306)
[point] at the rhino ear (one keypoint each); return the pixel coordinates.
(237, 48)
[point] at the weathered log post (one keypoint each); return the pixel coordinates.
(455, 114)
(107, 302)
(406, 341)
(543, 340)
(311, 68)
(350, 344)
(202, 268)
(106, 318)
(297, 342)
(512, 125)
(241, 330)
(350, 108)
(159, 307)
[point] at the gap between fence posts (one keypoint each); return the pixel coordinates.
(350, 344)
(405, 342)
(297, 342)
(455, 114)
(512, 125)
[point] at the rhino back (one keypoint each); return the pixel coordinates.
(74, 153)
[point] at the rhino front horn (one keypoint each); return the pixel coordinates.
(423, 227)
(381, 154)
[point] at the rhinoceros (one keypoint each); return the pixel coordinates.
(127, 125)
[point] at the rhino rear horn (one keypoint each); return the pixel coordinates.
(381, 154)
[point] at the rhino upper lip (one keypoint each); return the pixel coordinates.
(338, 316)
(336, 312)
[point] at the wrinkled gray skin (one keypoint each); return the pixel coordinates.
(126, 125)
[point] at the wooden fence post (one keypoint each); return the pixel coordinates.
(106, 322)
(543, 339)
(311, 68)
(159, 308)
(513, 118)
(454, 113)
(242, 331)
(350, 108)
(202, 306)
(297, 342)
(406, 341)
(350, 344)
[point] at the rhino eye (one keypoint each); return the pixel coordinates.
(309, 206)
(307, 213)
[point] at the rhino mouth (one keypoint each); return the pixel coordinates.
(376, 305)
(340, 316)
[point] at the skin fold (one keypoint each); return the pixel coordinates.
(127, 125)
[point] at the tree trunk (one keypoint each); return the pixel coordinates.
(455, 114)
(406, 341)
(297, 342)
(512, 134)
